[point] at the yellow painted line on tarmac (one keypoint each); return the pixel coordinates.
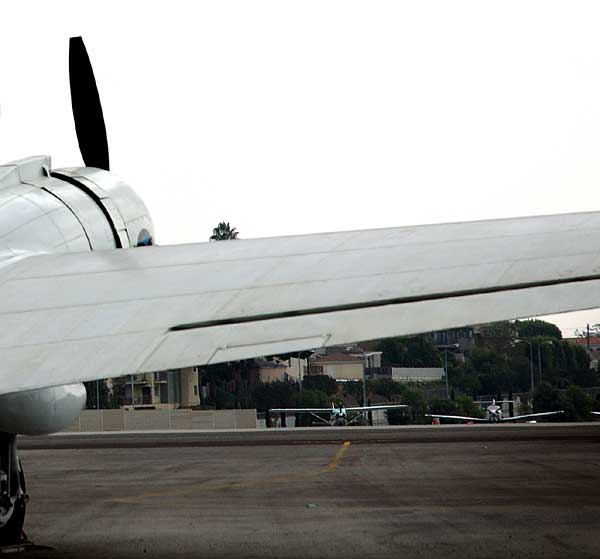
(338, 456)
(207, 486)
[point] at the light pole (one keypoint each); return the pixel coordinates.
(530, 367)
(446, 363)
(547, 342)
(364, 388)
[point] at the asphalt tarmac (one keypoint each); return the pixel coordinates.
(444, 492)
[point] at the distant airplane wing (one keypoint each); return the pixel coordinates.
(529, 415)
(382, 407)
(74, 317)
(462, 417)
(300, 410)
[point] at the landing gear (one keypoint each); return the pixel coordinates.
(13, 495)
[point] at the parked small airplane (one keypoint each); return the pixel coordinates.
(339, 414)
(493, 414)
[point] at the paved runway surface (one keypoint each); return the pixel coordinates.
(449, 492)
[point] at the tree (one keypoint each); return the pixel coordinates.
(229, 383)
(312, 398)
(277, 394)
(536, 327)
(323, 383)
(491, 368)
(99, 388)
(466, 406)
(577, 404)
(417, 407)
(445, 407)
(386, 387)
(547, 398)
(413, 351)
(224, 232)
(594, 330)
(398, 416)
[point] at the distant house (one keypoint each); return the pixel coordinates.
(461, 338)
(340, 366)
(270, 371)
(161, 390)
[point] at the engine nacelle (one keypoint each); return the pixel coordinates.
(43, 411)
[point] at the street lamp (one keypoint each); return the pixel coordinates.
(547, 342)
(446, 363)
(530, 366)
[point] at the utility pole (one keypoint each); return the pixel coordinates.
(97, 396)
(364, 388)
(588, 338)
(539, 362)
(531, 364)
(446, 363)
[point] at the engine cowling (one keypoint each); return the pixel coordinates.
(123, 209)
(43, 411)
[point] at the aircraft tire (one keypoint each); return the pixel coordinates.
(11, 533)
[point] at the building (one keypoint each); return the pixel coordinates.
(270, 371)
(161, 390)
(291, 370)
(339, 366)
(461, 338)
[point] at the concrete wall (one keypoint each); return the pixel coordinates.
(147, 420)
(422, 374)
(344, 371)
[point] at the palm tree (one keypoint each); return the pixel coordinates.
(223, 232)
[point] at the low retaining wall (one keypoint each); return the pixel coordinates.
(147, 420)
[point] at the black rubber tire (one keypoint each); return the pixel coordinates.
(12, 532)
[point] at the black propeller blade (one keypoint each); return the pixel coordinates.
(87, 110)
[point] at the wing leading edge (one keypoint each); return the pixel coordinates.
(461, 417)
(530, 415)
(300, 410)
(377, 407)
(68, 318)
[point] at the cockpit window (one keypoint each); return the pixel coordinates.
(144, 239)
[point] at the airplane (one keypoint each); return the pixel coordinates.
(88, 295)
(339, 414)
(493, 413)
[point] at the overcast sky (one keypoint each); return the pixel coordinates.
(300, 117)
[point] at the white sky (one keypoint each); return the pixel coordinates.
(299, 117)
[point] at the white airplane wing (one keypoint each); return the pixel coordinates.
(529, 415)
(382, 407)
(462, 417)
(74, 317)
(300, 410)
